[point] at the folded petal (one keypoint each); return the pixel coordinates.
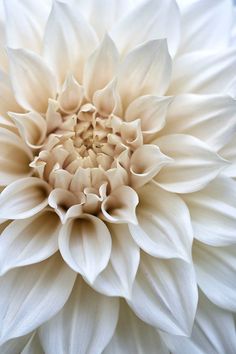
(195, 163)
(33, 346)
(32, 295)
(165, 294)
(24, 198)
(134, 336)
(147, 68)
(84, 325)
(15, 345)
(29, 74)
(71, 96)
(164, 227)
(229, 153)
(85, 244)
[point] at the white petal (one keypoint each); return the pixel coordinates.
(15, 157)
(73, 40)
(213, 212)
(32, 295)
(71, 95)
(15, 345)
(164, 227)
(210, 118)
(118, 277)
(8, 101)
(107, 100)
(195, 163)
(33, 83)
(150, 20)
(85, 244)
(84, 325)
(216, 273)
(229, 153)
(23, 198)
(101, 67)
(29, 241)
(134, 336)
(165, 294)
(33, 346)
(147, 68)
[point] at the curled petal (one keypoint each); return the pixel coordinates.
(71, 95)
(107, 100)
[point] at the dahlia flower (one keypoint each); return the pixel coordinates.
(117, 174)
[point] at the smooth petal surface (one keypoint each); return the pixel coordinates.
(8, 101)
(85, 244)
(195, 163)
(32, 295)
(84, 325)
(33, 346)
(118, 277)
(164, 227)
(15, 345)
(23, 198)
(160, 296)
(29, 74)
(229, 153)
(29, 241)
(134, 336)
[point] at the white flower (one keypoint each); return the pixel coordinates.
(117, 167)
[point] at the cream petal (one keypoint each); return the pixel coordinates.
(229, 152)
(29, 241)
(216, 273)
(3, 56)
(210, 118)
(71, 96)
(53, 118)
(15, 157)
(145, 163)
(8, 101)
(85, 244)
(73, 40)
(117, 177)
(61, 200)
(195, 163)
(32, 127)
(160, 285)
(107, 100)
(84, 325)
(118, 277)
(164, 227)
(102, 65)
(134, 336)
(119, 207)
(24, 198)
(213, 212)
(147, 69)
(131, 133)
(149, 20)
(29, 74)
(32, 295)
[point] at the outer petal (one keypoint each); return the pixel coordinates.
(213, 212)
(8, 101)
(149, 20)
(84, 325)
(229, 153)
(29, 241)
(160, 296)
(15, 345)
(23, 198)
(33, 346)
(134, 336)
(30, 75)
(147, 69)
(216, 273)
(32, 295)
(118, 277)
(164, 227)
(195, 163)
(85, 244)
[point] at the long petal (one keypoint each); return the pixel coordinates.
(15, 345)
(8, 101)
(33, 346)
(229, 153)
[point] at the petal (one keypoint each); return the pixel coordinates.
(23, 198)
(229, 153)
(71, 96)
(168, 290)
(15, 157)
(32, 295)
(119, 207)
(149, 20)
(33, 346)
(29, 241)
(107, 100)
(118, 277)
(164, 226)
(15, 345)
(147, 69)
(30, 75)
(8, 101)
(134, 336)
(216, 273)
(84, 325)
(102, 65)
(70, 35)
(212, 72)
(85, 244)
(61, 200)
(195, 163)
(210, 118)
(213, 212)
